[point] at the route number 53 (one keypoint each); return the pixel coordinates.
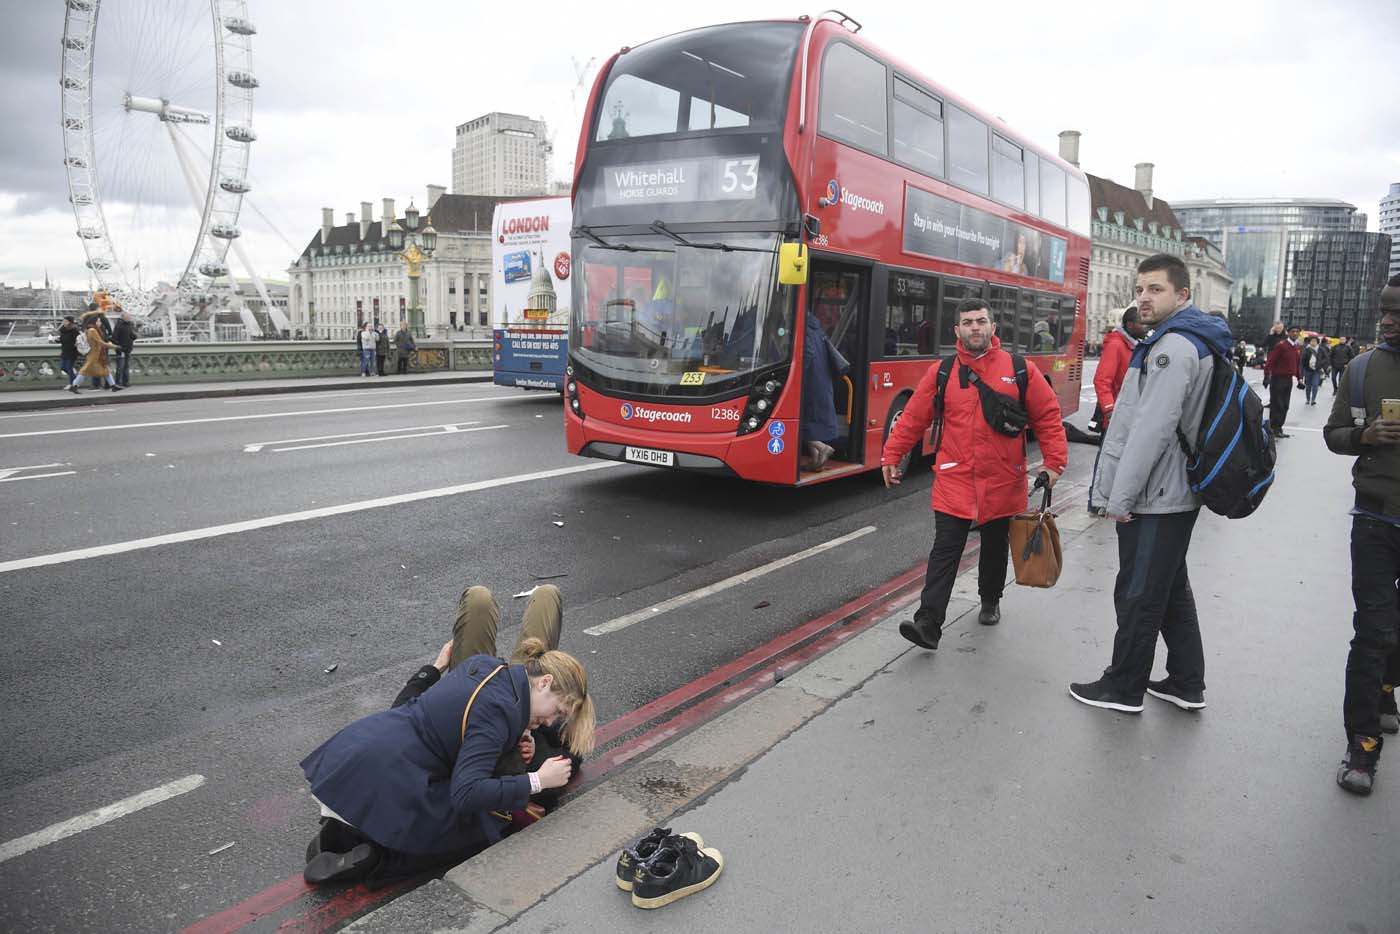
(740, 175)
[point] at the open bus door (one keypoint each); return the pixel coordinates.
(838, 295)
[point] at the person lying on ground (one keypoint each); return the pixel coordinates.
(413, 788)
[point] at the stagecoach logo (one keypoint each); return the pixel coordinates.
(630, 411)
(835, 194)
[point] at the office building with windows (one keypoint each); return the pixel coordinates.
(350, 273)
(1390, 225)
(501, 154)
(1306, 261)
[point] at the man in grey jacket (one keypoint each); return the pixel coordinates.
(1140, 483)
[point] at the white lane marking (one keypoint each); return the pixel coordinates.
(76, 825)
(631, 619)
(38, 476)
(241, 418)
(306, 515)
(291, 397)
(76, 410)
(258, 446)
(446, 430)
(11, 471)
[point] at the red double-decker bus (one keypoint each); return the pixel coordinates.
(706, 155)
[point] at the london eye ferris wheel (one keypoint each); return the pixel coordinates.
(157, 131)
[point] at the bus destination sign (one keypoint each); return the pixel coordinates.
(935, 226)
(716, 178)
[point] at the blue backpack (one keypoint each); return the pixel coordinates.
(1232, 465)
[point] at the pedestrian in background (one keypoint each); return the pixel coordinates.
(381, 346)
(1342, 354)
(68, 333)
(1313, 369)
(1272, 340)
(97, 366)
(1118, 347)
(1241, 355)
(1372, 669)
(1140, 483)
(1283, 365)
(403, 341)
(124, 336)
(365, 340)
(980, 472)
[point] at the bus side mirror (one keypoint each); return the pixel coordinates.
(792, 264)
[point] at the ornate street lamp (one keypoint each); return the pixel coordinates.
(418, 249)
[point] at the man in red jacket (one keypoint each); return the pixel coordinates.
(1283, 366)
(1113, 364)
(980, 473)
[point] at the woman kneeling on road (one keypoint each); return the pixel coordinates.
(418, 786)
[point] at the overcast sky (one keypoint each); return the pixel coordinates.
(359, 99)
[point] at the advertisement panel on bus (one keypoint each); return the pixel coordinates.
(530, 289)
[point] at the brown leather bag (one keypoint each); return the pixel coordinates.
(1035, 543)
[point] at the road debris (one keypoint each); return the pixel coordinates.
(558, 523)
(220, 849)
(761, 605)
(216, 641)
(526, 593)
(332, 668)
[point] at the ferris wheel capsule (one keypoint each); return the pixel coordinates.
(81, 6)
(225, 231)
(240, 134)
(237, 186)
(242, 79)
(75, 44)
(213, 270)
(89, 233)
(239, 26)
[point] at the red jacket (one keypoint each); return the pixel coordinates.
(980, 473)
(1113, 366)
(1284, 360)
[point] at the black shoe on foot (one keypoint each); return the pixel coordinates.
(1098, 694)
(342, 867)
(117, 388)
(990, 614)
(922, 632)
(1279, 434)
(73, 390)
(677, 869)
(1167, 690)
(1358, 772)
(644, 849)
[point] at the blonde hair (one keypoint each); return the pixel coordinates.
(570, 683)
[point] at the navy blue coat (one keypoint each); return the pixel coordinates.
(819, 372)
(405, 778)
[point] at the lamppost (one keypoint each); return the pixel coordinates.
(420, 247)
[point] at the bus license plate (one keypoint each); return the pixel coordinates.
(648, 456)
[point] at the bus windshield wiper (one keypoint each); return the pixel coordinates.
(583, 231)
(661, 228)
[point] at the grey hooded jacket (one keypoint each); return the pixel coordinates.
(1141, 467)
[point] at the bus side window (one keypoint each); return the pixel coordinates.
(1003, 302)
(1025, 322)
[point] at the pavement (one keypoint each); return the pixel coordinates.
(55, 397)
(883, 787)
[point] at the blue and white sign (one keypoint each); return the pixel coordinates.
(626, 410)
(777, 429)
(775, 445)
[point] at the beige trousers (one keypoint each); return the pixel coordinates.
(474, 632)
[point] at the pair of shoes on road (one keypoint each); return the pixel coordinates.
(1105, 696)
(663, 867)
(1357, 773)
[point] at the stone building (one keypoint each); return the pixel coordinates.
(1127, 225)
(351, 273)
(501, 154)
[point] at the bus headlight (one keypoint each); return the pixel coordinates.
(763, 398)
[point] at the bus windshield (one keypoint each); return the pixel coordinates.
(697, 82)
(673, 319)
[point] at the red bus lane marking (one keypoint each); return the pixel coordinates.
(820, 635)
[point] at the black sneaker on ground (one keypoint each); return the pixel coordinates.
(1358, 772)
(990, 614)
(677, 869)
(921, 631)
(1167, 690)
(1098, 694)
(1390, 718)
(644, 849)
(1279, 434)
(342, 867)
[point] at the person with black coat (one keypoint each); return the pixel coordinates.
(124, 336)
(68, 333)
(381, 346)
(421, 784)
(1342, 354)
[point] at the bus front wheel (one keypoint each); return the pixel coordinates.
(896, 410)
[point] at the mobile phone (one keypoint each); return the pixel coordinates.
(1390, 410)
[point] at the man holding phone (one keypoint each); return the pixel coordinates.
(1373, 665)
